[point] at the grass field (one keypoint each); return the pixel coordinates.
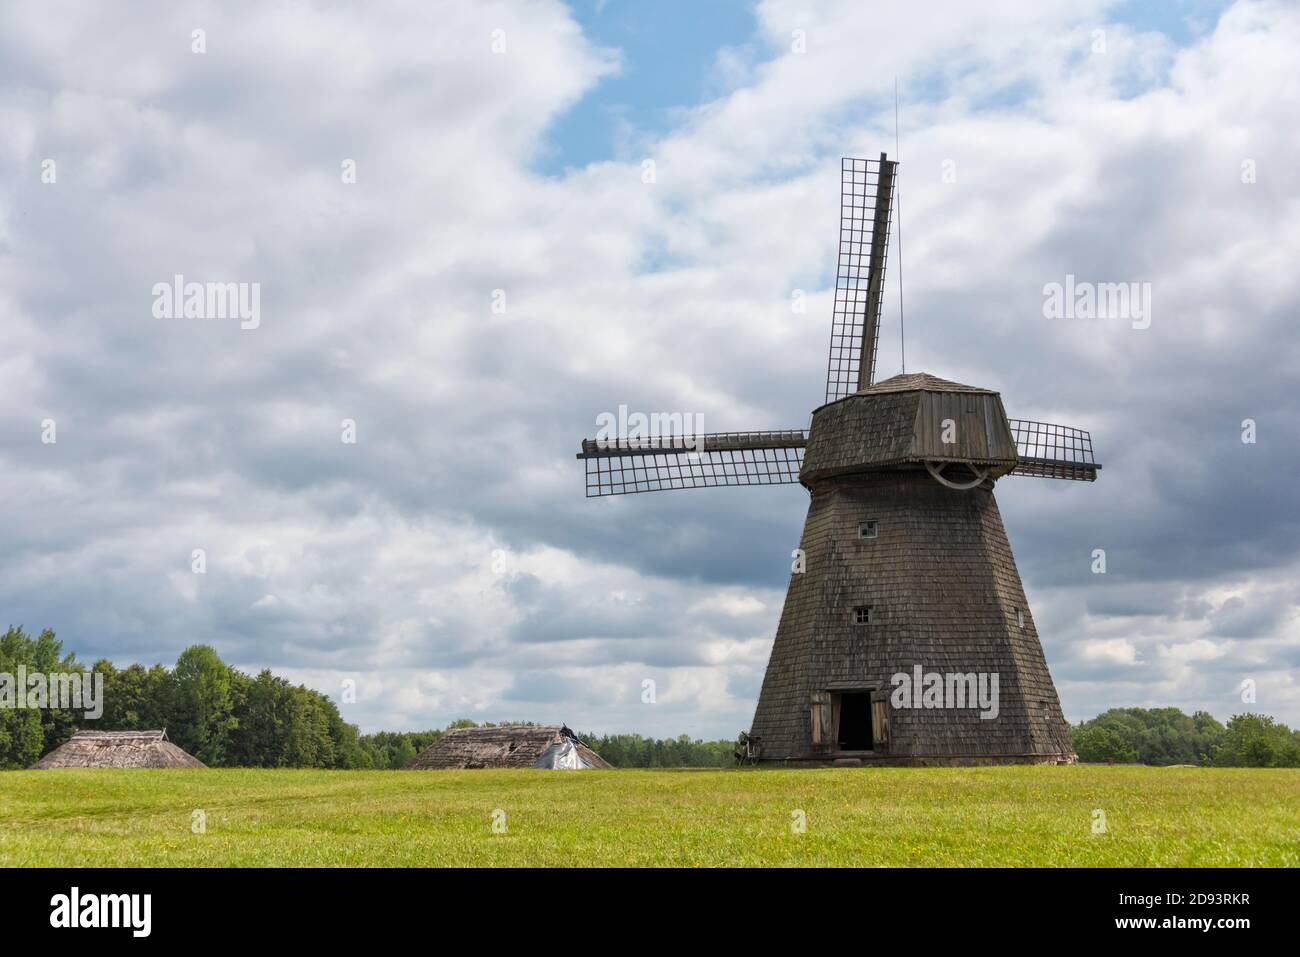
(951, 817)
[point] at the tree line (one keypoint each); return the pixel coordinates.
(636, 751)
(217, 713)
(227, 718)
(1164, 736)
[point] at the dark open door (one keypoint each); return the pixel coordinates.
(853, 730)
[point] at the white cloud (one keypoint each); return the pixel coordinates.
(1112, 650)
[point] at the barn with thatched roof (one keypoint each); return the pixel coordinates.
(118, 749)
(547, 746)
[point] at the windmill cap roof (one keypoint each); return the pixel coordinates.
(920, 382)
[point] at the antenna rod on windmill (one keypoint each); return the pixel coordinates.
(898, 203)
(876, 271)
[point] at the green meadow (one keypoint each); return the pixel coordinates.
(965, 817)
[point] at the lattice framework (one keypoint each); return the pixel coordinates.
(627, 466)
(1048, 450)
(859, 187)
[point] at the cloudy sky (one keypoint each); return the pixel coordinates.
(501, 272)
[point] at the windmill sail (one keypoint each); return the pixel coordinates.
(1053, 451)
(655, 464)
(866, 201)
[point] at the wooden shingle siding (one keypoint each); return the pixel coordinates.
(944, 587)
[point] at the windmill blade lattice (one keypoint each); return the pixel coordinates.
(1053, 451)
(626, 466)
(866, 201)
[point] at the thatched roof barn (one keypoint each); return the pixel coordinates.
(549, 746)
(118, 749)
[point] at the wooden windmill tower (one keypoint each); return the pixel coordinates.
(906, 637)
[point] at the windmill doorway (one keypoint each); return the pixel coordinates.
(853, 720)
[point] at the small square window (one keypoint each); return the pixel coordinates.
(867, 529)
(862, 615)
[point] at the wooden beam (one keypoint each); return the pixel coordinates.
(876, 271)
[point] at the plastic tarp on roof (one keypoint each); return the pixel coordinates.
(562, 756)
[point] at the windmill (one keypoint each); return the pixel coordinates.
(905, 637)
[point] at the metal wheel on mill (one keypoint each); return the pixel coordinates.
(905, 637)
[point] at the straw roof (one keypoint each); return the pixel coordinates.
(118, 749)
(516, 746)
